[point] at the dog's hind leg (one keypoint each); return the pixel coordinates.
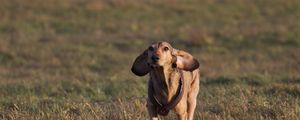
(192, 98)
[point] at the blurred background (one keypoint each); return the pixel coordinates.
(71, 59)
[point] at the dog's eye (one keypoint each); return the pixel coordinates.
(151, 48)
(166, 48)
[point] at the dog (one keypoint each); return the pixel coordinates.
(174, 80)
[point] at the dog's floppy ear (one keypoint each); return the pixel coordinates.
(140, 66)
(184, 60)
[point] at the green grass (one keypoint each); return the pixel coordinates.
(64, 59)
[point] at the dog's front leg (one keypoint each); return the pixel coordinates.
(152, 110)
(181, 110)
(182, 116)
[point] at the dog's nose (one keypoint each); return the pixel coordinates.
(155, 58)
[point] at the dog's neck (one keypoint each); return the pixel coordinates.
(165, 83)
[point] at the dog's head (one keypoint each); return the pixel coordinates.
(162, 54)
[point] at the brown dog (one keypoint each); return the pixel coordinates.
(173, 83)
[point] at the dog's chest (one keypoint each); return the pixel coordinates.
(165, 87)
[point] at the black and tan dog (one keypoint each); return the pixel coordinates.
(174, 80)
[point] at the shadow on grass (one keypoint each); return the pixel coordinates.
(215, 109)
(219, 81)
(254, 81)
(284, 90)
(5, 57)
(265, 112)
(290, 81)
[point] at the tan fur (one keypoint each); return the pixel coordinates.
(165, 78)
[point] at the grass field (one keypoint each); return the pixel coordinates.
(71, 59)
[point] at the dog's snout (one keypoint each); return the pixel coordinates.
(155, 58)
